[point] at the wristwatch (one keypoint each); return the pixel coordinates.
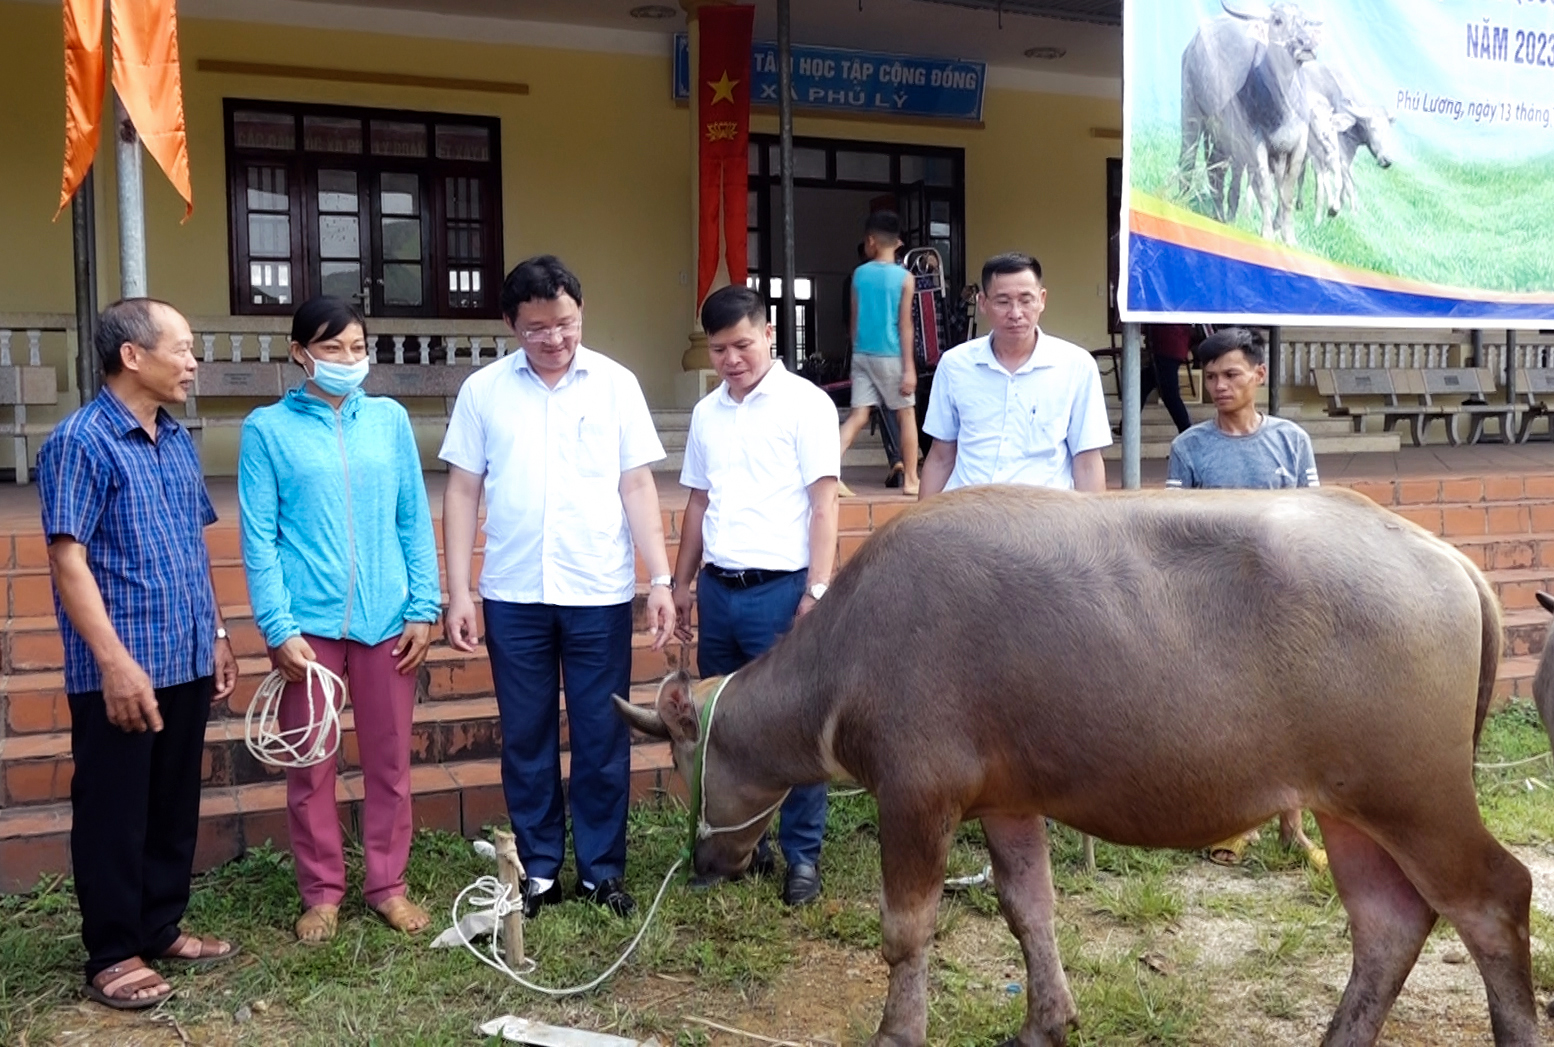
(665, 580)
(221, 633)
(818, 590)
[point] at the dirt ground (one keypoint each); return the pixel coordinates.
(832, 995)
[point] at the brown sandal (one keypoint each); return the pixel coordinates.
(199, 952)
(402, 914)
(124, 980)
(318, 924)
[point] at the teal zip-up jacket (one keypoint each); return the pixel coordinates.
(337, 534)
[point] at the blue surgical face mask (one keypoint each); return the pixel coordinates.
(338, 379)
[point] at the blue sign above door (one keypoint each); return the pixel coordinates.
(838, 80)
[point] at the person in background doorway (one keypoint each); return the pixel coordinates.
(125, 511)
(1243, 448)
(1170, 346)
(759, 536)
(884, 370)
(342, 570)
(1018, 405)
(559, 440)
(879, 415)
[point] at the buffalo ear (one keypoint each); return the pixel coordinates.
(1343, 120)
(1547, 601)
(677, 709)
(645, 720)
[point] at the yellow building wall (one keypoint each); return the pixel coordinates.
(596, 161)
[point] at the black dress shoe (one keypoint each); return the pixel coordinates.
(762, 863)
(802, 884)
(534, 901)
(611, 894)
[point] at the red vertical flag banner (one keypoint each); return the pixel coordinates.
(723, 115)
(146, 76)
(83, 91)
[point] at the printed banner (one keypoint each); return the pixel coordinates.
(723, 112)
(1353, 162)
(838, 80)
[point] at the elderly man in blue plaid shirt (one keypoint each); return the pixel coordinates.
(124, 511)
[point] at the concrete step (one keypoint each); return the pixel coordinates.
(1481, 519)
(36, 768)
(462, 797)
(1526, 631)
(1518, 589)
(1515, 679)
(1501, 552)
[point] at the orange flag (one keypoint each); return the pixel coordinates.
(83, 92)
(146, 76)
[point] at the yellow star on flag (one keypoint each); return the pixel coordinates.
(723, 90)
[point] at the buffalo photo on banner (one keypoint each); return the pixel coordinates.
(1360, 162)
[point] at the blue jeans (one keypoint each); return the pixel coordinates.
(592, 647)
(734, 626)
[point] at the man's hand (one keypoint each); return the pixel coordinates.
(412, 645)
(806, 605)
(129, 697)
(908, 381)
(460, 624)
(226, 670)
(661, 615)
(682, 613)
(292, 658)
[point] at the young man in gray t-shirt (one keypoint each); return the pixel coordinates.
(1242, 447)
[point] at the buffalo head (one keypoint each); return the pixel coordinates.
(1281, 25)
(720, 797)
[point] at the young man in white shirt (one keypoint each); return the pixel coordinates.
(762, 461)
(1018, 406)
(560, 441)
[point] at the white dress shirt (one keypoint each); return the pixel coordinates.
(1020, 428)
(556, 530)
(756, 460)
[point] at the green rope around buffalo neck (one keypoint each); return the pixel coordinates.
(700, 829)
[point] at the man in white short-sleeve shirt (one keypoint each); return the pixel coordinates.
(559, 440)
(1018, 406)
(762, 461)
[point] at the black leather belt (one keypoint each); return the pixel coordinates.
(745, 579)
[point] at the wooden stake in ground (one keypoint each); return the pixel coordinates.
(509, 870)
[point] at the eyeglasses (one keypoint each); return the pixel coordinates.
(545, 335)
(1025, 303)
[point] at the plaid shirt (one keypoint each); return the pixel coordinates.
(140, 508)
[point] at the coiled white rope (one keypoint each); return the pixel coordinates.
(317, 740)
(488, 894)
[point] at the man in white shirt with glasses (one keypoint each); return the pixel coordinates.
(559, 440)
(1018, 406)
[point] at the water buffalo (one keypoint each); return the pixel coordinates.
(1156, 669)
(1369, 126)
(1244, 102)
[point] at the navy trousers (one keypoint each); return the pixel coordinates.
(532, 647)
(734, 626)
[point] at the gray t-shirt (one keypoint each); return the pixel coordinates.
(1277, 455)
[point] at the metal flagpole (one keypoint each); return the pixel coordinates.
(1275, 349)
(83, 224)
(132, 204)
(790, 310)
(1132, 408)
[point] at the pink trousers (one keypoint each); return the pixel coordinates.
(382, 702)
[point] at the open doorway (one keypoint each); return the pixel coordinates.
(836, 186)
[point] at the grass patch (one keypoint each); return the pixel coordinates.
(1159, 947)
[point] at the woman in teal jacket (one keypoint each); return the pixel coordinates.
(342, 570)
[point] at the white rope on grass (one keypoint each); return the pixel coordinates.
(316, 740)
(1514, 763)
(488, 894)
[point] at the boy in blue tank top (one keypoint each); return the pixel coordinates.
(884, 372)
